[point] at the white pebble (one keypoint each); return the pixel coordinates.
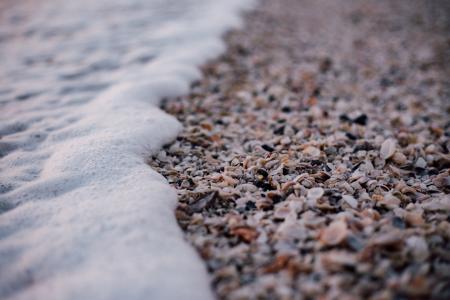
(387, 148)
(420, 163)
(315, 193)
(350, 201)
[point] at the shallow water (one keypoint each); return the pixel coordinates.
(60, 54)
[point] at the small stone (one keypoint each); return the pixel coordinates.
(442, 180)
(361, 119)
(315, 193)
(206, 126)
(289, 230)
(262, 174)
(286, 109)
(350, 201)
(246, 187)
(250, 205)
(285, 141)
(267, 148)
(418, 248)
(398, 223)
(420, 163)
(331, 151)
(390, 201)
(281, 213)
(204, 202)
(437, 204)
(344, 118)
(279, 130)
(335, 233)
(392, 237)
(355, 243)
(325, 64)
(414, 219)
(399, 158)
(311, 151)
(245, 233)
(351, 136)
(387, 149)
(278, 264)
(337, 260)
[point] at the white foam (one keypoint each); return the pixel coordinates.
(92, 220)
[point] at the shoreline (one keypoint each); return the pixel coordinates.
(314, 158)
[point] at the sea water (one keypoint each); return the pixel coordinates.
(82, 216)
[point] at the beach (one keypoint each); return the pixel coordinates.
(314, 157)
(226, 149)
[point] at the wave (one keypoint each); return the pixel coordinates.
(82, 216)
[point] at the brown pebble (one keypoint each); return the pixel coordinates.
(334, 234)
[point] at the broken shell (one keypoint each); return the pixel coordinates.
(350, 201)
(204, 202)
(311, 151)
(291, 230)
(246, 187)
(414, 219)
(389, 238)
(335, 233)
(399, 158)
(337, 260)
(245, 233)
(418, 248)
(442, 180)
(387, 148)
(315, 193)
(282, 212)
(390, 201)
(420, 163)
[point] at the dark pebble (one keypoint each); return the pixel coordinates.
(398, 222)
(267, 148)
(250, 205)
(262, 172)
(385, 82)
(344, 118)
(204, 202)
(366, 146)
(351, 136)
(316, 92)
(355, 243)
(279, 130)
(286, 109)
(265, 186)
(361, 120)
(325, 65)
(331, 151)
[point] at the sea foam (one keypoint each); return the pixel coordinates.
(82, 214)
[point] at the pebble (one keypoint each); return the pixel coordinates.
(399, 158)
(387, 148)
(311, 151)
(418, 247)
(335, 233)
(420, 163)
(350, 200)
(315, 193)
(322, 179)
(361, 119)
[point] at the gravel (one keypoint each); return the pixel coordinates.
(315, 160)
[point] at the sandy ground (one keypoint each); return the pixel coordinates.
(315, 161)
